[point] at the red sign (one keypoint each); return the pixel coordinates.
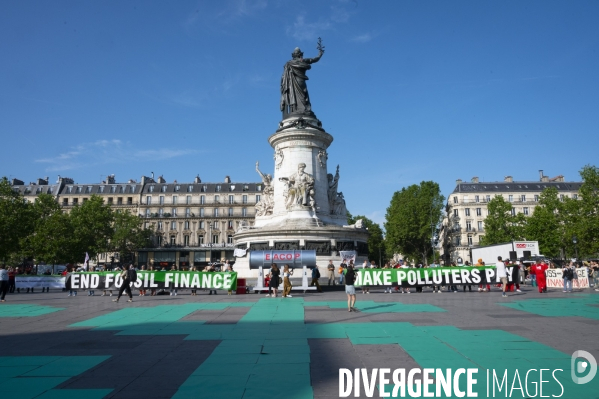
(520, 245)
(281, 256)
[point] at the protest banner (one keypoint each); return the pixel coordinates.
(153, 279)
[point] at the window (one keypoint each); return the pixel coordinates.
(69, 189)
(175, 199)
(65, 201)
(455, 212)
(204, 188)
(200, 239)
(174, 213)
(88, 189)
(230, 211)
(458, 241)
(510, 198)
(148, 200)
(479, 212)
(78, 190)
(159, 240)
(186, 225)
(113, 189)
(201, 212)
(101, 189)
(476, 198)
(119, 201)
(467, 211)
(173, 225)
(481, 239)
(215, 238)
(231, 199)
(110, 201)
(218, 187)
(468, 226)
(148, 212)
(466, 200)
(163, 189)
(189, 188)
(562, 196)
(469, 240)
(574, 196)
(480, 226)
(187, 212)
(85, 199)
(525, 210)
(244, 212)
(202, 199)
(258, 198)
(217, 199)
(151, 189)
(173, 240)
(160, 212)
(159, 226)
(536, 198)
(129, 200)
(121, 189)
(215, 212)
(230, 225)
(201, 226)
(455, 200)
(488, 198)
(523, 198)
(513, 211)
(132, 189)
(186, 241)
(229, 239)
(244, 199)
(161, 200)
(177, 188)
(188, 199)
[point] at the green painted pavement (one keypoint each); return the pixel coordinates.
(379, 307)
(36, 376)
(272, 339)
(578, 305)
(26, 310)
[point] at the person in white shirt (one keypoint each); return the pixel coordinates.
(501, 274)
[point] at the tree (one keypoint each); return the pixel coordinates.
(545, 224)
(412, 220)
(92, 224)
(588, 223)
(129, 234)
(500, 225)
(15, 220)
(376, 243)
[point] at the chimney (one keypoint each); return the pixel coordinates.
(197, 179)
(541, 175)
(559, 178)
(110, 179)
(227, 179)
(42, 182)
(474, 179)
(458, 182)
(161, 179)
(16, 182)
(508, 179)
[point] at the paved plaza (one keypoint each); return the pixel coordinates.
(251, 346)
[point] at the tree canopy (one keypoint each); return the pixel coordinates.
(376, 242)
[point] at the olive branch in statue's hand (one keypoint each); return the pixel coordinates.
(319, 45)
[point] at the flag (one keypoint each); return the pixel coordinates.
(238, 253)
(86, 262)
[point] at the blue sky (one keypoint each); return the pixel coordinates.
(410, 90)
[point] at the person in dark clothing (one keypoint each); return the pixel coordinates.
(128, 276)
(350, 290)
(315, 277)
(3, 282)
(274, 279)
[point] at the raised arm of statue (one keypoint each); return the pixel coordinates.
(260, 173)
(315, 59)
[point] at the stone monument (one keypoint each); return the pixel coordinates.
(301, 207)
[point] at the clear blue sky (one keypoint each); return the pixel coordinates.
(411, 90)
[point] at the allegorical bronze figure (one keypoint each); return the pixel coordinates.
(294, 92)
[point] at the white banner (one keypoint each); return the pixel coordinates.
(239, 253)
(346, 256)
(555, 279)
(39, 282)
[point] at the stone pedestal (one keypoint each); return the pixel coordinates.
(296, 217)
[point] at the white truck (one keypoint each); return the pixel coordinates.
(490, 253)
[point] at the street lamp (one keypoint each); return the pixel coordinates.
(575, 242)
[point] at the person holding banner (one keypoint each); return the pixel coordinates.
(481, 287)
(501, 274)
(350, 290)
(568, 276)
(3, 282)
(365, 289)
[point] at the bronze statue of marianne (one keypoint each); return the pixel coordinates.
(294, 92)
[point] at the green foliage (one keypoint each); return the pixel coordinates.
(376, 242)
(129, 234)
(588, 216)
(93, 228)
(546, 224)
(15, 220)
(500, 225)
(409, 218)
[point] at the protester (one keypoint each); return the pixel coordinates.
(194, 291)
(211, 269)
(315, 277)
(388, 290)
(350, 290)
(481, 287)
(274, 279)
(365, 289)
(286, 281)
(501, 271)
(3, 282)
(128, 276)
(567, 276)
(539, 271)
(342, 268)
(467, 264)
(331, 272)
(11, 280)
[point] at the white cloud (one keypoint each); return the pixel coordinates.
(366, 37)
(105, 152)
(307, 31)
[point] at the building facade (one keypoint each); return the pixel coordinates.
(463, 226)
(193, 223)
